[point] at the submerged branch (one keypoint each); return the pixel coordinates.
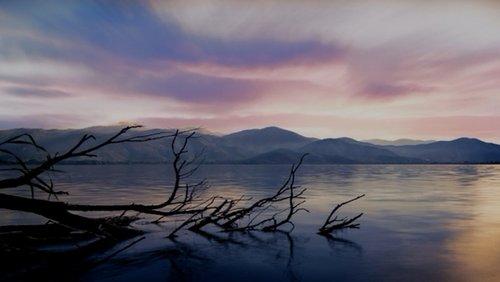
(334, 224)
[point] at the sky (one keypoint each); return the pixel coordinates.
(359, 68)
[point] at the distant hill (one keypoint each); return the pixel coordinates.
(270, 145)
(347, 150)
(266, 139)
(462, 150)
(59, 141)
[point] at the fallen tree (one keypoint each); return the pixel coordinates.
(184, 202)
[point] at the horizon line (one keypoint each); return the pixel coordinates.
(216, 133)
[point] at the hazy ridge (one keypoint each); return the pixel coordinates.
(270, 145)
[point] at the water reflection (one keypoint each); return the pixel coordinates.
(421, 223)
(250, 256)
(475, 244)
(339, 244)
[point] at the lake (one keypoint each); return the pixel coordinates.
(420, 223)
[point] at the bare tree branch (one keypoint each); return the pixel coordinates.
(185, 203)
(334, 224)
(76, 151)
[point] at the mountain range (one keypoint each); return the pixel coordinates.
(270, 145)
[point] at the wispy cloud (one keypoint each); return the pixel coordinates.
(35, 92)
(383, 90)
(52, 120)
(324, 65)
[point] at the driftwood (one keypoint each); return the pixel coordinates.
(184, 203)
(32, 176)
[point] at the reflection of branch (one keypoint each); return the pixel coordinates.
(185, 202)
(333, 241)
(120, 250)
(332, 224)
(291, 246)
(217, 238)
(271, 223)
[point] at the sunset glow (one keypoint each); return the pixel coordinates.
(364, 69)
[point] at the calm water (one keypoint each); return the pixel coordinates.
(421, 223)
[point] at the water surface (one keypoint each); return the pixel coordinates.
(421, 223)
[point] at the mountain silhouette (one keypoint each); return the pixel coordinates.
(347, 150)
(266, 139)
(270, 145)
(462, 150)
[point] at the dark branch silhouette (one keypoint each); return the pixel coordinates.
(56, 210)
(335, 223)
(265, 214)
(184, 203)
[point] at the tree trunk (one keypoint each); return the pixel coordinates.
(57, 211)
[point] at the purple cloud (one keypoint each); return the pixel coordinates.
(134, 33)
(35, 92)
(199, 89)
(383, 90)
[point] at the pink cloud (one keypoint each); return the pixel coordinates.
(51, 121)
(486, 127)
(383, 90)
(393, 86)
